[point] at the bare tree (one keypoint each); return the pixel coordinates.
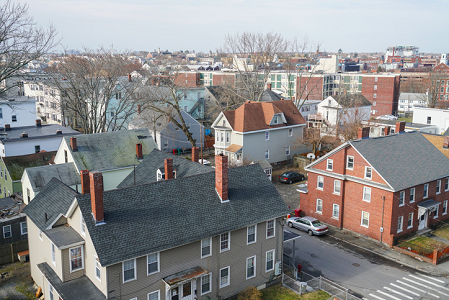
(21, 40)
(313, 138)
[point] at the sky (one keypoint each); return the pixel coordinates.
(200, 25)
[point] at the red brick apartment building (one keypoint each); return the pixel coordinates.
(384, 188)
(383, 93)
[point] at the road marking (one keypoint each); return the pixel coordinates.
(385, 294)
(429, 282)
(428, 287)
(396, 292)
(400, 287)
(377, 297)
(414, 287)
(433, 278)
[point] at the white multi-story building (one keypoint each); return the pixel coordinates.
(408, 101)
(17, 111)
(48, 101)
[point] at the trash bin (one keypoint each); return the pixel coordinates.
(303, 287)
(179, 151)
(298, 212)
(174, 151)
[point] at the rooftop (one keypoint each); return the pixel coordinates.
(17, 164)
(35, 132)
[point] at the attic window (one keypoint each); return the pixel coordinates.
(224, 122)
(275, 119)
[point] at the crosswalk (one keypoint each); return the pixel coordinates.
(413, 287)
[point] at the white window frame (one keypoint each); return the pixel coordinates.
(410, 217)
(333, 211)
(337, 187)
(22, 226)
(365, 192)
(412, 193)
(53, 253)
(228, 277)
(51, 291)
(266, 261)
(287, 151)
(210, 247)
(426, 191)
(82, 225)
(330, 165)
(370, 173)
(4, 231)
(319, 203)
(347, 162)
(446, 184)
(97, 266)
(158, 294)
(158, 262)
(274, 228)
(438, 189)
(400, 224)
(363, 225)
(401, 198)
(267, 154)
(228, 136)
(267, 135)
(254, 264)
(444, 207)
(320, 179)
(210, 284)
(82, 258)
(123, 271)
(228, 240)
(290, 132)
(435, 213)
(255, 234)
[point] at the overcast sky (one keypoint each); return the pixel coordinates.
(352, 25)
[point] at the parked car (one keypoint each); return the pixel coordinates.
(290, 177)
(387, 117)
(308, 224)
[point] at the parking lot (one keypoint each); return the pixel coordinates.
(288, 191)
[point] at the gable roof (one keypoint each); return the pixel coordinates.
(40, 176)
(110, 150)
(404, 160)
(146, 171)
(54, 199)
(351, 100)
(138, 221)
(35, 132)
(252, 116)
(17, 164)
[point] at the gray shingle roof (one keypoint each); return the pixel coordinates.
(111, 150)
(405, 159)
(34, 132)
(40, 176)
(54, 199)
(146, 170)
(63, 236)
(352, 100)
(140, 220)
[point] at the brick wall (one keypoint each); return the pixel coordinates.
(385, 97)
(187, 79)
(309, 87)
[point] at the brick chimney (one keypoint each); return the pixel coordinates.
(96, 195)
(221, 176)
(400, 127)
(363, 133)
(73, 144)
(195, 154)
(387, 130)
(168, 164)
(139, 151)
(139, 109)
(269, 86)
(7, 127)
(38, 123)
(446, 142)
(85, 182)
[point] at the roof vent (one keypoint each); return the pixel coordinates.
(58, 131)
(24, 135)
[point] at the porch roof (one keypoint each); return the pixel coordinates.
(184, 275)
(428, 203)
(234, 148)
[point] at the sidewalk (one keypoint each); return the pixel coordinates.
(388, 253)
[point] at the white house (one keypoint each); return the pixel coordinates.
(408, 101)
(307, 107)
(432, 116)
(17, 111)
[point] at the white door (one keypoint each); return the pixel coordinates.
(187, 291)
(423, 221)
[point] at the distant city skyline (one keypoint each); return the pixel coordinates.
(137, 25)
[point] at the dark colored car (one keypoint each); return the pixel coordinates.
(290, 177)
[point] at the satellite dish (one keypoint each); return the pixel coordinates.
(310, 155)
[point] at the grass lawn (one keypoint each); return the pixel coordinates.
(443, 232)
(408, 120)
(423, 243)
(282, 293)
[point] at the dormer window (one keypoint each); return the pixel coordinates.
(161, 175)
(275, 119)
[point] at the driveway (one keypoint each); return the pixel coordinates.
(288, 192)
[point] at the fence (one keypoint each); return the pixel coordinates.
(8, 252)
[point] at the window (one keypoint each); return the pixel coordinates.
(205, 283)
(438, 186)
(224, 277)
(129, 270)
(400, 219)
(51, 292)
(319, 206)
(7, 232)
(290, 130)
(401, 198)
(446, 184)
(350, 162)
(270, 229)
(435, 212)
(154, 295)
(269, 261)
(166, 143)
(368, 173)
(287, 151)
(335, 211)
(221, 137)
(152, 263)
(375, 79)
(53, 254)
(83, 226)
(375, 87)
(365, 219)
(227, 137)
(374, 96)
(1, 114)
(267, 135)
(23, 228)
(251, 234)
(444, 207)
(251, 267)
(275, 119)
(65, 157)
(429, 120)
(224, 241)
(97, 268)
(412, 195)
(410, 220)
(337, 187)
(330, 165)
(37, 149)
(426, 191)
(14, 118)
(76, 259)
(206, 246)
(320, 182)
(267, 154)
(366, 193)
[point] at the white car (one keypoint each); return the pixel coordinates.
(387, 117)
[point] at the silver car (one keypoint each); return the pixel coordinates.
(308, 224)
